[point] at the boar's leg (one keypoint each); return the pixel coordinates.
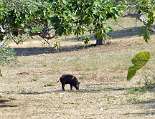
(63, 87)
(71, 87)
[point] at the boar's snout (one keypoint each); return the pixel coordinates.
(77, 85)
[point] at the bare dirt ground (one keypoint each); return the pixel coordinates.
(29, 88)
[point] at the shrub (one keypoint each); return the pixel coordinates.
(7, 55)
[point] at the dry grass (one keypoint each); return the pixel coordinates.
(29, 88)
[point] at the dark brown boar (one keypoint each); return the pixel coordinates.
(69, 79)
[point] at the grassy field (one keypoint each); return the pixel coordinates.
(29, 88)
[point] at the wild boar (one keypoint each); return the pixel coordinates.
(69, 79)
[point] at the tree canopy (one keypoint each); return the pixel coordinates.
(38, 17)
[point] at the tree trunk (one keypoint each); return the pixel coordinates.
(99, 42)
(0, 73)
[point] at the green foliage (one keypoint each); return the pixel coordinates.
(37, 17)
(86, 40)
(145, 33)
(2, 10)
(137, 90)
(7, 55)
(147, 10)
(67, 16)
(81, 16)
(19, 17)
(138, 61)
(62, 18)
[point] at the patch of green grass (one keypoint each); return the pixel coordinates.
(137, 90)
(141, 89)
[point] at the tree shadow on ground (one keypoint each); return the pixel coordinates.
(6, 103)
(83, 89)
(93, 90)
(149, 107)
(86, 88)
(150, 104)
(47, 50)
(35, 93)
(147, 113)
(128, 32)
